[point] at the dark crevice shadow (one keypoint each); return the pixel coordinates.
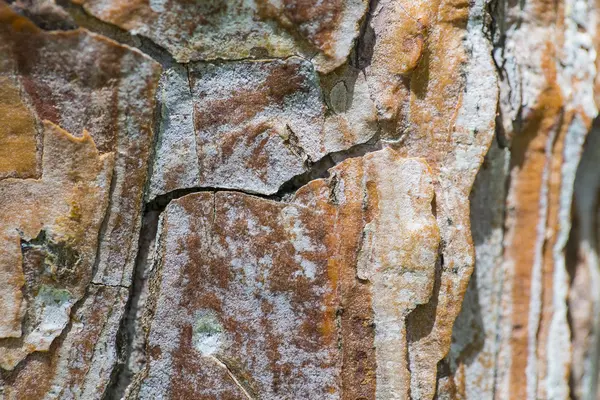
(122, 375)
(84, 20)
(419, 81)
(44, 15)
(571, 263)
(420, 322)
(469, 329)
(320, 169)
(582, 244)
(362, 54)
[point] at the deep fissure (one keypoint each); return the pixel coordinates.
(122, 374)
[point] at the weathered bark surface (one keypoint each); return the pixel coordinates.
(337, 199)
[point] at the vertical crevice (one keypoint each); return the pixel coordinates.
(191, 88)
(365, 42)
(584, 275)
(571, 263)
(126, 335)
(128, 330)
(104, 227)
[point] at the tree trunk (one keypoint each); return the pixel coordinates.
(257, 199)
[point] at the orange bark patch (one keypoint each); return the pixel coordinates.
(529, 159)
(18, 158)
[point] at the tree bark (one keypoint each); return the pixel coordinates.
(256, 199)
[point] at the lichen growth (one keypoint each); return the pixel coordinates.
(207, 333)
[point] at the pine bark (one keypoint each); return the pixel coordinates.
(258, 199)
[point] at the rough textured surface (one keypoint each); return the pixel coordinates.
(270, 320)
(254, 125)
(326, 199)
(237, 29)
(547, 70)
(71, 205)
(49, 248)
(442, 107)
(80, 80)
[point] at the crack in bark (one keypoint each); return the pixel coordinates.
(126, 335)
(191, 91)
(108, 285)
(129, 329)
(119, 35)
(320, 169)
(234, 378)
(365, 41)
(317, 170)
(83, 19)
(293, 143)
(122, 374)
(104, 225)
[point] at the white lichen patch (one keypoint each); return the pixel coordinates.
(208, 333)
(51, 308)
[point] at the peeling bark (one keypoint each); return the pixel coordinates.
(256, 199)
